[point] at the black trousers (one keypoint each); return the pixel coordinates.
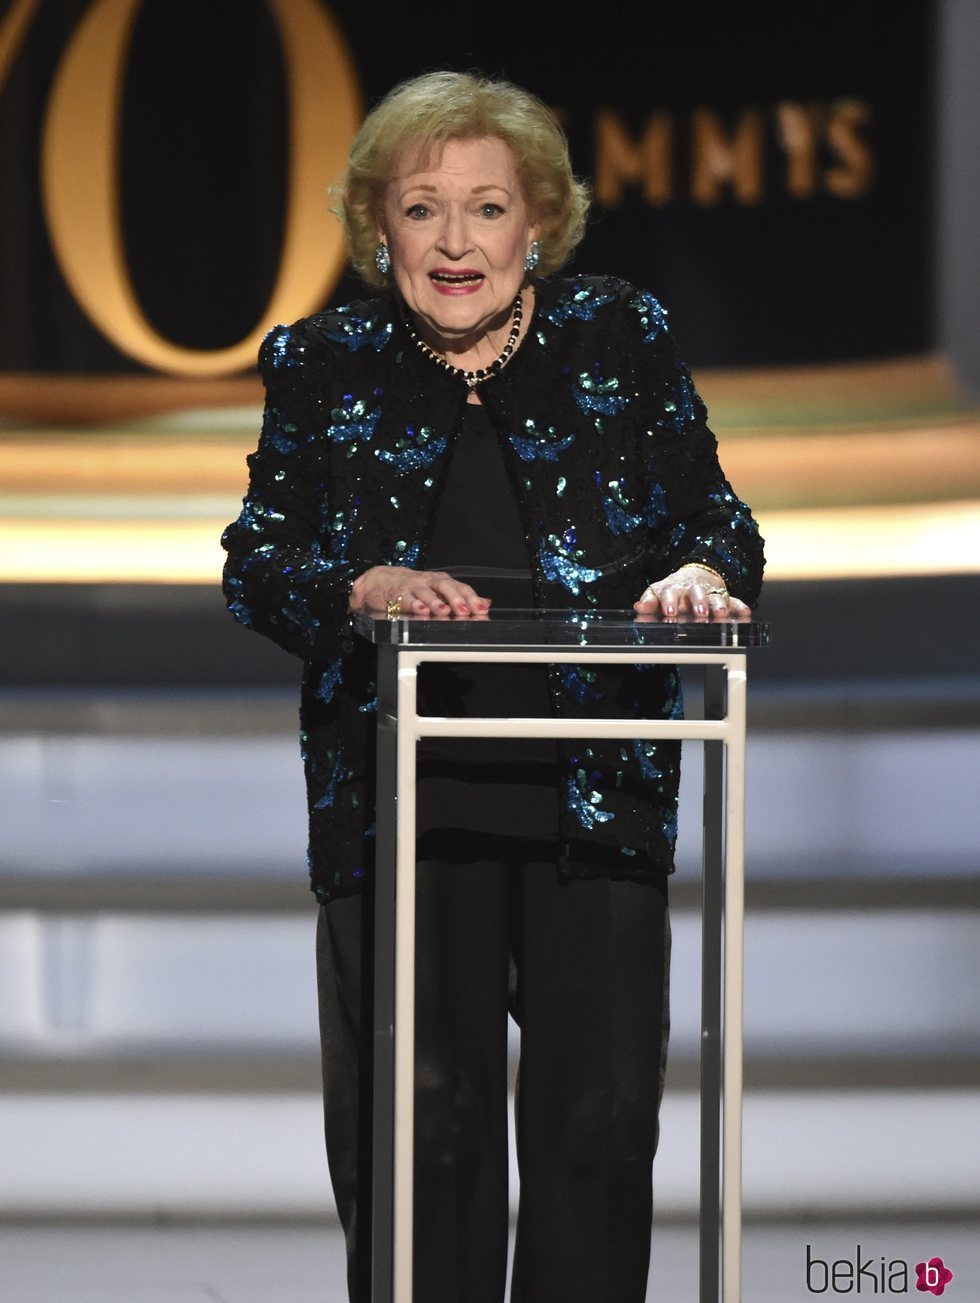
(582, 966)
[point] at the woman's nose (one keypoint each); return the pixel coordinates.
(454, 236)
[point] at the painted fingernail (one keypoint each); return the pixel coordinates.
(462, 608)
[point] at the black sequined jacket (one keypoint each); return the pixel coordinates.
(617, 482)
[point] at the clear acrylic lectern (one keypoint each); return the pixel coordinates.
(552, 637)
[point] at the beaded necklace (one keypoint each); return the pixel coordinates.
(473, 378)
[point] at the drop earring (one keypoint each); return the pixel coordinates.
(382, 258)
(533, 256)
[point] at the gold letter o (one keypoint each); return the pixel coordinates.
(80, 184)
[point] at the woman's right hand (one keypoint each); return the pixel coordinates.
(417, 592)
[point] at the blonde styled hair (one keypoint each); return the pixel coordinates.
(422, 115)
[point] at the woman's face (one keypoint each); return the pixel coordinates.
(458, 234)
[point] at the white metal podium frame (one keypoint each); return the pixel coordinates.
(400, 728)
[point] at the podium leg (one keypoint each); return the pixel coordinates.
(731, 1247)
(383, 962)
(711, 982)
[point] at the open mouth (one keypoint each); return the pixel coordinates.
(456, 278)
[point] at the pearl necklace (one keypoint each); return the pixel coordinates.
(473, 378)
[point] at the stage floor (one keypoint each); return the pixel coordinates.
(266, 1263)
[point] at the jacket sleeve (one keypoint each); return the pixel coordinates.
(279, 577)
(695, 516)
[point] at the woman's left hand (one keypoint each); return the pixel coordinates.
(691, 591)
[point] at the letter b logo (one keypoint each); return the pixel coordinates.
(814, 1268)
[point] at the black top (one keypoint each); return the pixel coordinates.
(484, 785)
(478, 526)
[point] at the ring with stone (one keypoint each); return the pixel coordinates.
(393, 606)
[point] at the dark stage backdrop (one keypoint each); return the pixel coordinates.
(765, 168)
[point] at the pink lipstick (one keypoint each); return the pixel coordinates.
(456, 280)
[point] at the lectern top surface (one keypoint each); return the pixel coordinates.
(559, 628)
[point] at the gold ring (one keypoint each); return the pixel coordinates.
(716, 592)
(393, 606)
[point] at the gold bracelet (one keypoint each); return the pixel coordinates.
(701, 566)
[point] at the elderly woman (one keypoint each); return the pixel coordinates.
(483, 432)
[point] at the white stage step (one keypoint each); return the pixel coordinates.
(183, 1156)
(820, 983)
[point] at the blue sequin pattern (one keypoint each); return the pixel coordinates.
(679, 409)
(726, 548)
(652, 314)
(404, 553)
(584, 799)
(236, 606)
(669, 826)
(255, 515)
(284, 437)
(622, 515)
(579, 683)
(644, 753)
(298, 611)
(329, 681)
(278, 341)
(579, 303)
(328, 782)
(616, 508)
(540, 445)
(593, 394)
(418, 450)
(355, 331)
(560, 562)
(352, 420)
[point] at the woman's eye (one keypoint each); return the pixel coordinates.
(417, 211)
(491, 210)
